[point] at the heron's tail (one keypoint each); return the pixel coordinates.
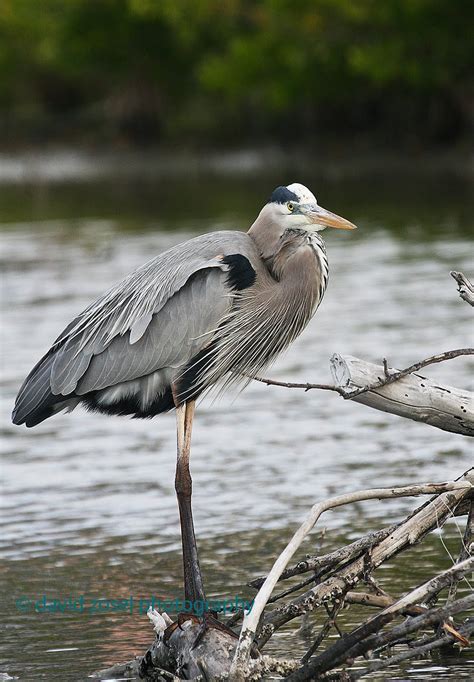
(35, 402)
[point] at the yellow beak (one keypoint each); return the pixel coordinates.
(320, 216)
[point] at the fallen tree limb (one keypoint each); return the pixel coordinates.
(389, 376)
(401, 392)
(252, 619)
(405, 394)
(326, 562)
(381, 381)
(379, 601)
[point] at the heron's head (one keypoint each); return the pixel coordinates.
(294, 206)
(291, 207)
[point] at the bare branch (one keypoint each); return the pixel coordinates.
(423, 646)
(389, 377)
(379, 601)
(408, 532)
(329, 623)
(399, 374)
(304, 386)
(252, 618)
(346, 553)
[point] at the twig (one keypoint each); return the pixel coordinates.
(467, 546)
(252, 618)
(305, 386)
(465, 288)
(290, 590)
(328, 611)
(328, 624)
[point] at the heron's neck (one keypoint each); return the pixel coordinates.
(302, 268)
(266, 233)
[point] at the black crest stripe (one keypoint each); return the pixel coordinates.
(282, 194)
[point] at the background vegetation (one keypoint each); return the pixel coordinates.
(214, 72)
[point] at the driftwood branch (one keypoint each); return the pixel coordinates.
(400, 392)
(252, 619)
(381, 381)
(465, 287)
(319, 563)
(406, 394)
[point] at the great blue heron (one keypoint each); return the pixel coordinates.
(213, 310)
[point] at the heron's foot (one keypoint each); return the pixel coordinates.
(206, 622)
(209, 621)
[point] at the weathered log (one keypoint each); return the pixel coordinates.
(412, 396)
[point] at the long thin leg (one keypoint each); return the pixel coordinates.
(193, 587)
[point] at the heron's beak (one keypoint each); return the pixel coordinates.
(319, 216)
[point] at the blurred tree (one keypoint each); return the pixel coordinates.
(227, 70)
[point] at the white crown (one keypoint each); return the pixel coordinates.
(303, 193)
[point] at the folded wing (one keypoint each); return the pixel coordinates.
(145, 328)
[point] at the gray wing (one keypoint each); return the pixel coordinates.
(174, 335)
(158, 316)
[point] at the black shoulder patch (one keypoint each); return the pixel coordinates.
(241, 274)
(281, 195)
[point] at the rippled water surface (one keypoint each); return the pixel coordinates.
(88, 501)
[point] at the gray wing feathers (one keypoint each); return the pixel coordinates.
(142, 323)
(127, 306)
(159, 316)
(173, 336)
(34, 391)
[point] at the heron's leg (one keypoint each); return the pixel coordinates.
(193, 587)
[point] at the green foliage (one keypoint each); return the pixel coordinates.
(227, 68)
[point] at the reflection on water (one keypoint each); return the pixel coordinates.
(88, 501)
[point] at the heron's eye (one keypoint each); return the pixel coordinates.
(290, 206)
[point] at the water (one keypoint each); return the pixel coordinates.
(88, 501)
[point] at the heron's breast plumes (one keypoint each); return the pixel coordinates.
(265, 319)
